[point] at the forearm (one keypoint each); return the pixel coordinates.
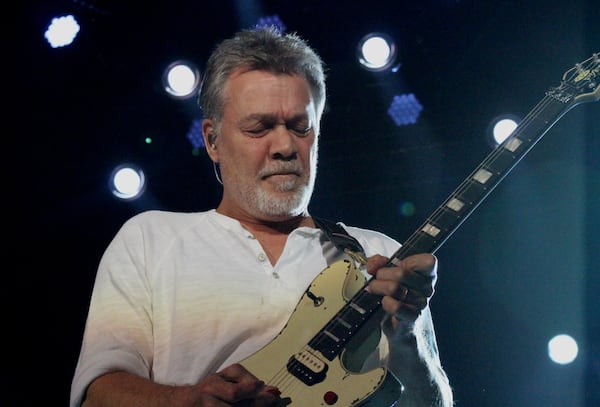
(424, 382)
(414, 361)
(118, 389)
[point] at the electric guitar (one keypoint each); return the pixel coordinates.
(313, 360)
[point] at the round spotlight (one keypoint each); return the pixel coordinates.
(562, 349)
(181, 79)
(501, 128)
(376, 52)
(127, 182)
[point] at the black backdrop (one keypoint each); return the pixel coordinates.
(523, 267)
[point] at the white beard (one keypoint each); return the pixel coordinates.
(291, 205)
(282, 202)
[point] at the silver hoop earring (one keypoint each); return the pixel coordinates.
(217, 173)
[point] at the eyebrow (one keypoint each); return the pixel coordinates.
(273, 118)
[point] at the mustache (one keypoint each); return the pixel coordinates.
(281, 168)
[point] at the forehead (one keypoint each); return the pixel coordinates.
(266, 92)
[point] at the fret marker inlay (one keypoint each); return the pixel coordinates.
(482, 176)
(455, 204)
(513, 144)
(431, 230)
(357, 308)
(344, 323)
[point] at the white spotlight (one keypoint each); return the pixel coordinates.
(376, 52)
(127, 182)
(181, 79)
(62, 31)
(501, 128)
(562, 349)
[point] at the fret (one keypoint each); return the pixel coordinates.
(471, 192)
(367, 301)
(501, 162)
(445, 218)
(326, 345)
(343, 323)
(420, 243)
(334, 338)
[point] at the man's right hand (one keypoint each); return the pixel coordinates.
(234, 386)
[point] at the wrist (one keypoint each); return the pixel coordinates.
(397, 329)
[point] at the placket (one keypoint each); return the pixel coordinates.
(260, 255)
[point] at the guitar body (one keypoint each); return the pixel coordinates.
(329, 292)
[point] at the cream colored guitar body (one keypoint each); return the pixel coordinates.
(338, 385)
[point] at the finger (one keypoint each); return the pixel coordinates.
(235, 383)
(416, 272)
(424, 264)
(401, 284)
(410, 296)
(375, 262)
(265, 398)
(401, 310)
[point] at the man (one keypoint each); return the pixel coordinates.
(181, 300)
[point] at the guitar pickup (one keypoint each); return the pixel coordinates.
(307, 367)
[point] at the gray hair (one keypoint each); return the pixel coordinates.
(260, 49)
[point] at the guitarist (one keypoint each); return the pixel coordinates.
(181, 298)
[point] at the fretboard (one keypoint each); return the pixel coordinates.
(446, 219)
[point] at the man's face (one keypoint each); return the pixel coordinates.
(267, 146)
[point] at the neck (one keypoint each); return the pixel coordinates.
(271, 226)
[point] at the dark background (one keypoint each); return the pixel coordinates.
(521, 269)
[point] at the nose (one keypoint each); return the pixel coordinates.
(283, 143)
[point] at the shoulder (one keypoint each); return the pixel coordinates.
(155, 216)
(164, 222)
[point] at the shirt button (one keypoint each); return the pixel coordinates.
(275, 274)
(262, 257)
(251, 237)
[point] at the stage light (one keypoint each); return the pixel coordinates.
(376, 52)
(194, 135)
(271, 21)
(181, 79)
(501, 128)
(406, 209)
(562, 349)
(62, 31)
(127, 182)
(405, 109)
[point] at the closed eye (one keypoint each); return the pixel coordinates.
(301, 131)
(300, 126)
(262, 125)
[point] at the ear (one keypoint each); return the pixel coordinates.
(208, 134)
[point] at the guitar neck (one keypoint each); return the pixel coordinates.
(446, 219)
(580, 84)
